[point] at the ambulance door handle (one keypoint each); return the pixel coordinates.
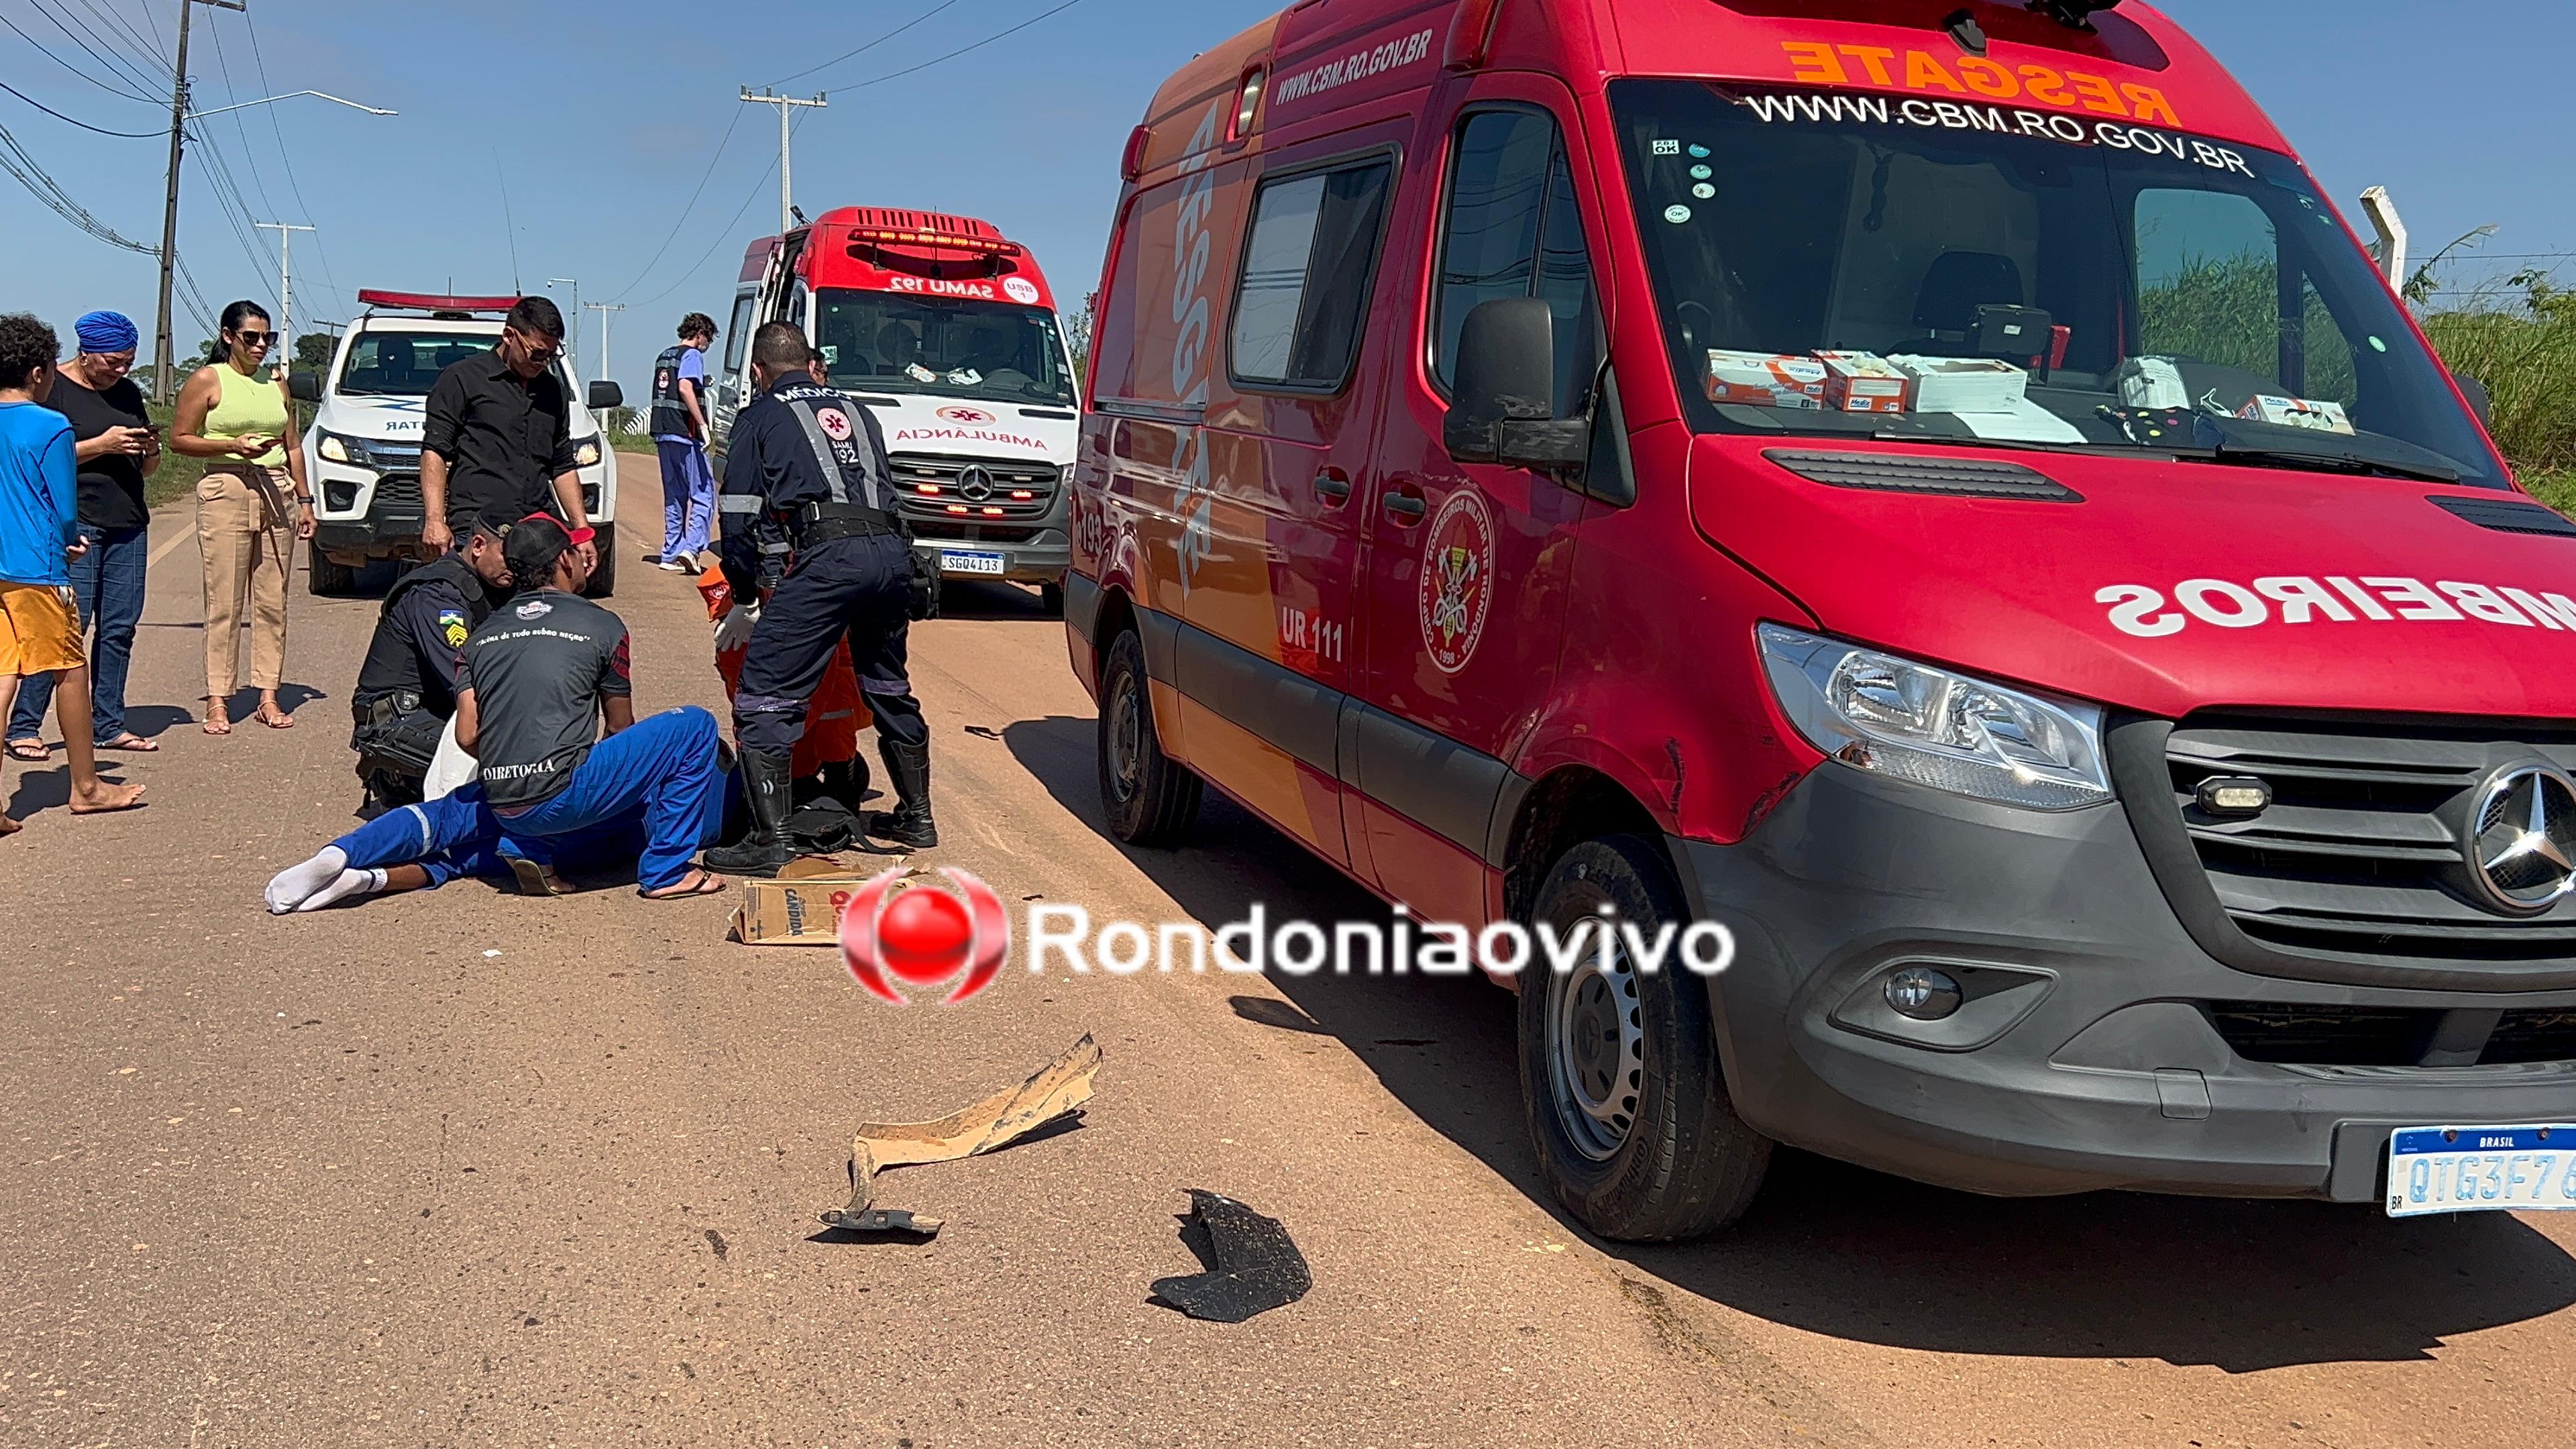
(1404, 501)
(1335, 487)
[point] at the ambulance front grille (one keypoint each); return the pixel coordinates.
(2361, 851)
(981, 498)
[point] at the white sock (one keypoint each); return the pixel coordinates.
(293, 885)
(351, 883)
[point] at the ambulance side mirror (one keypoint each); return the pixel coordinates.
(1502, 410)
(304, 386)
(605, 395)
(2481, 401)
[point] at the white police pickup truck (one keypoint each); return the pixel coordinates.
(364, 445)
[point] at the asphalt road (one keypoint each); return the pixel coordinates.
(468, 1168)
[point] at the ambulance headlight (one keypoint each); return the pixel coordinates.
(586, 453)
(1893, 716)
(334, 450)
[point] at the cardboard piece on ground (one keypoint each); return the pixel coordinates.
(1055, 1093)
(803, 906)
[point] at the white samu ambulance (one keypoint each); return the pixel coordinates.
(949, 333)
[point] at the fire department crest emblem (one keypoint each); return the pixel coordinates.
(1457, 587)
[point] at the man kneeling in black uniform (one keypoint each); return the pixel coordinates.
(407, 686)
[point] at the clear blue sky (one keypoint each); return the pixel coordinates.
(604, 117)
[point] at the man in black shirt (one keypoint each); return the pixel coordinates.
(407, 685)
(498, 434)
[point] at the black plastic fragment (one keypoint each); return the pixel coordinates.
(1252, 1265)
(878, 1222)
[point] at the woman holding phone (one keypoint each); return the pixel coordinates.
(236, 414)
(116, 450)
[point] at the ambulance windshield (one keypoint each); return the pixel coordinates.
(1849, 263)
(989, 351)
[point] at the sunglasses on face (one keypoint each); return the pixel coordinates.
(537, 349)
(255, 339)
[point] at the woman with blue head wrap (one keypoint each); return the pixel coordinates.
(116, 449)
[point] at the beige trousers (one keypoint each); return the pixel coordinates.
(247, 550)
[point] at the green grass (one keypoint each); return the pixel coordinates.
(177, 476)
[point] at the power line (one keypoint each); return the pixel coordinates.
(150, 31)
(692, 207)
(123, 67)
(864, 49)
(758, 187)
(240, 127)
(84, 125)
(952, 55)
(286, 162)
(15, 160)
(114, 90)
(123, 27)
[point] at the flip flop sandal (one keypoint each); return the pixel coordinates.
(533, 880)
(33, 752)
(134, 744)
(279, 721)
(709, 884)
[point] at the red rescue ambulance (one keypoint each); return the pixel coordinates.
(1935, 488)
(949, 331)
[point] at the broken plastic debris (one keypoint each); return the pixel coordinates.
(1252, 1265)
(1055, 1094)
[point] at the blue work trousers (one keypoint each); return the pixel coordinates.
(688, 497)
(659, 776)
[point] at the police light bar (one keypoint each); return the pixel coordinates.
(947, 240)
(2076, 13)
(431, 302)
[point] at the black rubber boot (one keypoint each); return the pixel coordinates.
(769, 788)
(908, 824)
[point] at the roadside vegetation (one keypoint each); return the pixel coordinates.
(2521, 342)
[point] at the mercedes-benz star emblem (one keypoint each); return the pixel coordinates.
(2522, 839)
(974, 485)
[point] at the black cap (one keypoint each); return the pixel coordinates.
(496, 522)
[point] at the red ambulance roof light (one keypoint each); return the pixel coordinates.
(1471, 36)
(433, 302)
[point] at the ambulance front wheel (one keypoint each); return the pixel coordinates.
(1620, 1079)
(1150, 799)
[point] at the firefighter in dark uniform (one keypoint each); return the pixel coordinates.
(806, 478)
(407, 685)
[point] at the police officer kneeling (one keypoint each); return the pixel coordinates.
(807, 476)
(407, 687)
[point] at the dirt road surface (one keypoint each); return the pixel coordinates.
(468, 1168)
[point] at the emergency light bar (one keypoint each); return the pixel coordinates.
(2075, 13)
(430, 302)
(946, 240)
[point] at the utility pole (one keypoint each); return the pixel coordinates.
(603, 309)
(572, 345)
(163, 361)
(786, 175)
(285, 287)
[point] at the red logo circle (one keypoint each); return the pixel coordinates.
(835, 422)
(967, 417)
(904, 925)
(1456, 590)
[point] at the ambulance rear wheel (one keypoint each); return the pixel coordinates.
(1148, 798)
(1620, 1080)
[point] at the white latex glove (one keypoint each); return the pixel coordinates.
(733, 631)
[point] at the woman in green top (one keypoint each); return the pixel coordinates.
(236, 414)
